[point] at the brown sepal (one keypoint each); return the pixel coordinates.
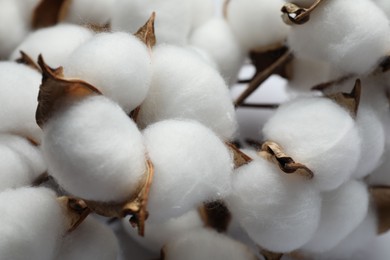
(49, 12)
(27, 60)
(135, 114)
(380, 196)
(215, 215)
(274, 152)
(135, 206)
(55, 89)
(239, 157)
(294, 14)
(349, 101)
(75, 211)
(326, 85)
(268, 255)
(146, 32)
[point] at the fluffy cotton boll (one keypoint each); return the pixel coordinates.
(188, 170)
(118, 64)
(160, 233)
(173, 18)
(257, 23)
(55, 43)
(27, 8)
(94, 150)
(90, 12)
(342, 211)
(357, 239)
(320, 134)
(201, 12)
(217, 39)
(183, 87)
(278, 211)
(19, 87)
(373, 137)
(203, 55)
(91, 240)
(353, 43)
(307, 73)
(206, 244)
(10, 15)
(384, 5)
(31, 224)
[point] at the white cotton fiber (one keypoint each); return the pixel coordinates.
(94, 150)
(27, 8)
(19, 87)
(92, 240)
(12, 27)
(173, 18)
(278, 211)
(320, 134)
(192, 165)
(21, 162)
(95, 12)
(384, 5)
(352, 35)
(157, 234)
(118, 64)
(201, 12)
(31, 224)
(257, 23)
(342, 211)
(206, 244)
(55, 43)
(372, 132)
(183, 87)
(217, 39)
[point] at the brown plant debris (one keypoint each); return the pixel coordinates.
(54, 90)
(99, 28)
(75, 211)
(49, 12)
(27, 60)
(294, 14)
(146, 32)
(380, 196)
(349, 101)
(135, 206)
(239, 157)
(274, 153)
(215, 215)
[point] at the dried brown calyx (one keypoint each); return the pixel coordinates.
(135, 206)
(380, 196)
(27, 60)
(294, 14)
(274, 153)
(55, 90)
(215, 215)
(49, 12)
(349, 101)
(146, 32)
(274, 60)
(75, 211)
(239, 157)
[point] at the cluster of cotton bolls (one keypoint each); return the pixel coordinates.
(124, 109)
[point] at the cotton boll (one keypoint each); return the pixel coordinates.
(19, 86)
(10, 15)
(320, 134)
(201, 12)
(118, 64)
(183, 87)
(90, 12)
(27, 8)
(94, 150)
(188, 170)
(172, 24)
(31, 224)
(384, 5)
(159, 233)
(55, 43)
(206, 244)
(353, 43)
(257, 23)
(373, 136)
(342, 211)
(91, 240)
(203, 55)
(278, 211)
(217, 39)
